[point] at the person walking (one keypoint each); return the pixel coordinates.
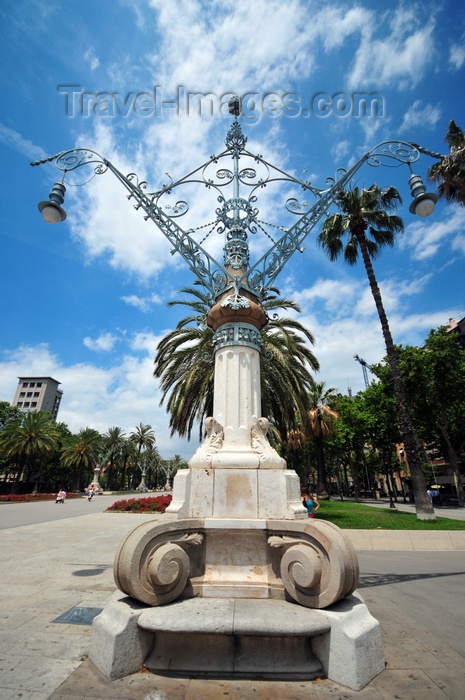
(90, 493)
(310, 503)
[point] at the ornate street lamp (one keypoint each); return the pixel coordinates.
(242, 531)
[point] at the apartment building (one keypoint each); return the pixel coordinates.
(38, 394)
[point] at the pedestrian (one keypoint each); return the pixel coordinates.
(90, 493)
(310, 503)
(61, 495)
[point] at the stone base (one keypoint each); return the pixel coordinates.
(311, 561)
(237, 638)
(237, 493)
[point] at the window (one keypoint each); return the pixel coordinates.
(25, 384)
(20, 404)
(32, 384)
(36, 394)
(26, 404)
(39, 384)
(29, 394)
(33, 404)
(22, 393)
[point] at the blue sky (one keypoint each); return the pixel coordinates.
(85, 301)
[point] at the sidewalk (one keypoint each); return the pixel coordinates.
(53, 568)
(453, 513)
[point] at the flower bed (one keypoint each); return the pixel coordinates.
(151, 504)
(32, 497)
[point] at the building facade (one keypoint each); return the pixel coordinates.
(38, 394)
(458, 329)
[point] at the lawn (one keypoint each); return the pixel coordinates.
(357, 516)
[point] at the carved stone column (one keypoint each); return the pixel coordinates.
(236, 473)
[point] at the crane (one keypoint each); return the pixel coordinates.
(364, 364)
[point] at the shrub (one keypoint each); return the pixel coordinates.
(32, 497)
(152, 504)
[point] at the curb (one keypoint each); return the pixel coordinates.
(408, 540)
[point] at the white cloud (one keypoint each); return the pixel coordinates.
(458, 243)
(400, 57)
(329, 295)
(91, 58)
(425, 239)
(15, 140)
(104, 342)
(146, 342)
(457, 56)
(142, 303)
(420, 115)
(221, 51)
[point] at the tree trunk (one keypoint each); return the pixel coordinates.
(322, 487)
(353, 466)
(423, 506)
(454, 463)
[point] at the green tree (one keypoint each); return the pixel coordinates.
(143, 438)
(435, 379)
(129, 458)
(55, 474)
(449, 173)
(29, 440)
(113, 441)
(185, 364)
(81, 454)
(382, 429)
(319, 426)
(348, 439)
(8, 413)
(366, 224)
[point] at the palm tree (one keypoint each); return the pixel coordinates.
(129, 457)
(319, 426)
(150, 463)
(114, 440)
(449, 173)
(30, 439)
(294, 445)
(82, 453)
(185, 364)
(364, 220)
(143, 437)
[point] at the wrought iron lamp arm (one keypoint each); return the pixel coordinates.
(197, 258)
(276, 257)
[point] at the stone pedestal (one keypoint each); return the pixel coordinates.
(240, 638)
(95, 481)
(240, 584)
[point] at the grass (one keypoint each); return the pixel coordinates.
(357, 516)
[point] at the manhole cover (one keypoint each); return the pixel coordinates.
(78, 616)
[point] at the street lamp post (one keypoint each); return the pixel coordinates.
(237, 502)
(236, 285)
